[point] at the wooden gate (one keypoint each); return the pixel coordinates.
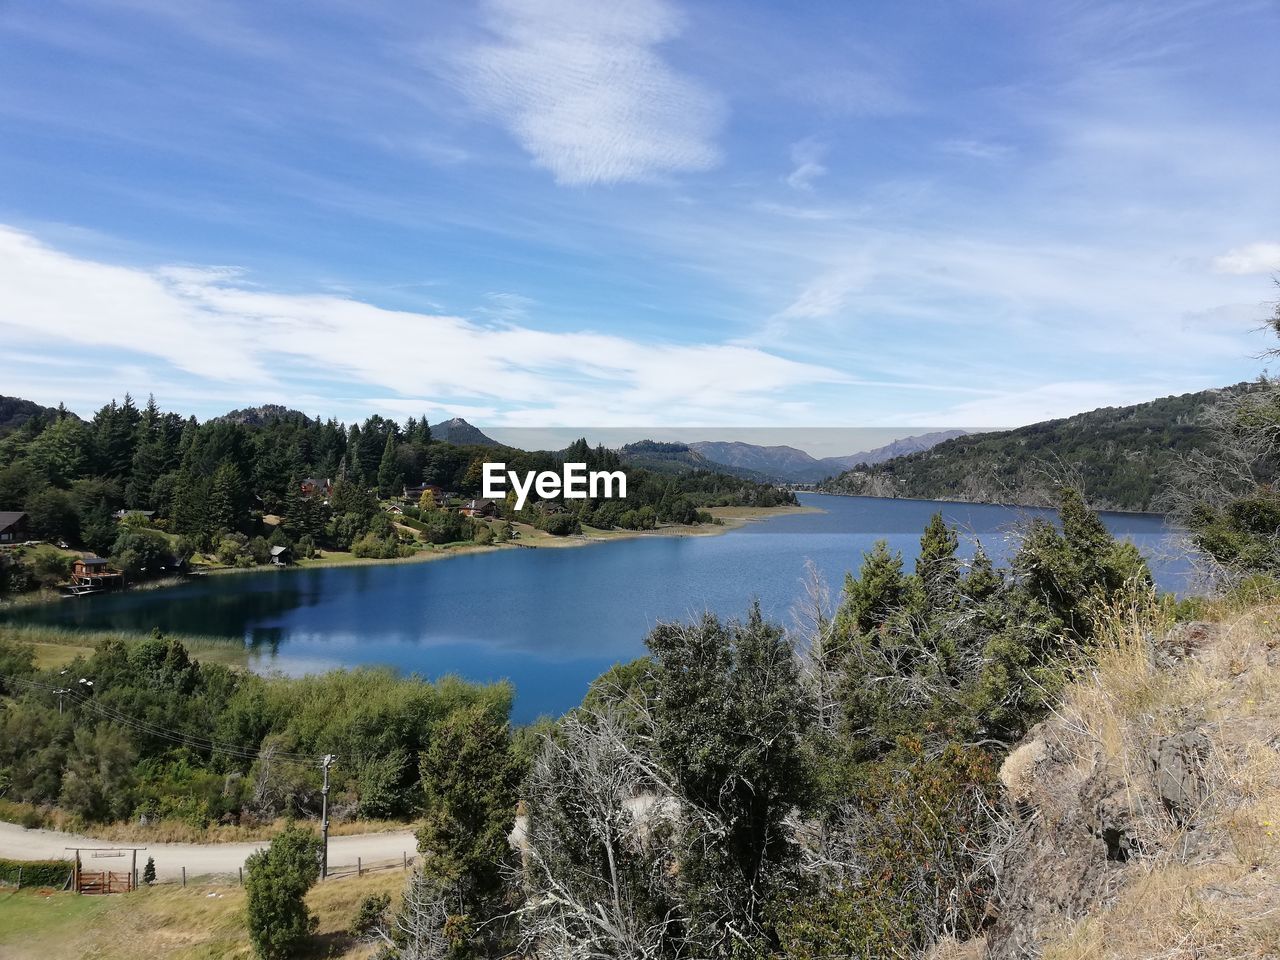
(104, 881)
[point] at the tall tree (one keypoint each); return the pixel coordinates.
(729, 719)
(390, 480)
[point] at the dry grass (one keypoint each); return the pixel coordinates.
(172, 923)
(1211, 887)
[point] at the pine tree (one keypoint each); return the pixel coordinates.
(937, 566)
(879, 590)
(471, 777)
(390, 479)
(226, 497)
(149, 871)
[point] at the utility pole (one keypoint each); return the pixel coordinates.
(325, 761)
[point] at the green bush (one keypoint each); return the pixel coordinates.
(36, 873)
(276, 882)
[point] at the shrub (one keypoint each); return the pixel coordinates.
(560, 524)
(371, 914)
(36, 873)
(276, 884)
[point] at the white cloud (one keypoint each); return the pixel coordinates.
(580, 85)
(1255, 258)
(807, 157)
(237, 342)
(826, 295)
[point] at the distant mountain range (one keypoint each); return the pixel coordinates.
(668, 457)
(762, 463)
(1121, 458)
(795, 466)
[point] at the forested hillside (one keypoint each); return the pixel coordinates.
(1122, 458)
(15, 412)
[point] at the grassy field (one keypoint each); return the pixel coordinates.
(201, 921)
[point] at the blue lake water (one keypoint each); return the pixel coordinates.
(551, 620)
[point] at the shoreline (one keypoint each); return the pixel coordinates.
(732, 518)
(531, 538)
(984, 503)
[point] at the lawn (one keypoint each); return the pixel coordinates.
(200, 921)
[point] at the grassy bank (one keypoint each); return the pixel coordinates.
(171, 922)
(58, 646)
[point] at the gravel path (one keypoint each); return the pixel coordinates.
(200, 859)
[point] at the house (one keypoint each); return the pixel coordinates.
(414, 494)
(90, 567)
(145, 514)
(280, 556)
(479, 508)
(13, 527)
(394, 509)
(311, 487)
(94, 575)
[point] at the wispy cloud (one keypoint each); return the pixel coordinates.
(852, 92)
(1255, 258)
(583, 89)
(977, 149)
(807, 165)
(235, 341)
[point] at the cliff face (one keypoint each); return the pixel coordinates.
(1144, 816)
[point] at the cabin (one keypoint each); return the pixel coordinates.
(280, 556)
(94, 575)
(394, 509)
(311, 487)
(479, 508)
(13, 527)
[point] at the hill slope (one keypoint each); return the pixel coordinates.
(676, 458)
(14, 412)
(796, 466)
(1144, 811)
(1122, 458)
(461, 433)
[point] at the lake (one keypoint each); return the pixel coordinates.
(551, 620)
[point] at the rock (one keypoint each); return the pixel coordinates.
(1017, 773)
(1185, 640)
(1178, 762)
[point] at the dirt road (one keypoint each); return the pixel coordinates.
(200, 859)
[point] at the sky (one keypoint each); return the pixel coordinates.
(563, 213)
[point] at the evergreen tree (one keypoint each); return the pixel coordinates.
(390, 480)
(937, 566)
(226, 499)
(276, 882)
(879, 590)
(470, 776)
(729, 720)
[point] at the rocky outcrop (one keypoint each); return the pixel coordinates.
(1139, 819)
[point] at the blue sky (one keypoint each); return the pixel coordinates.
(563, 213)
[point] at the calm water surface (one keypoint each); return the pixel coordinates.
(551, 620)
